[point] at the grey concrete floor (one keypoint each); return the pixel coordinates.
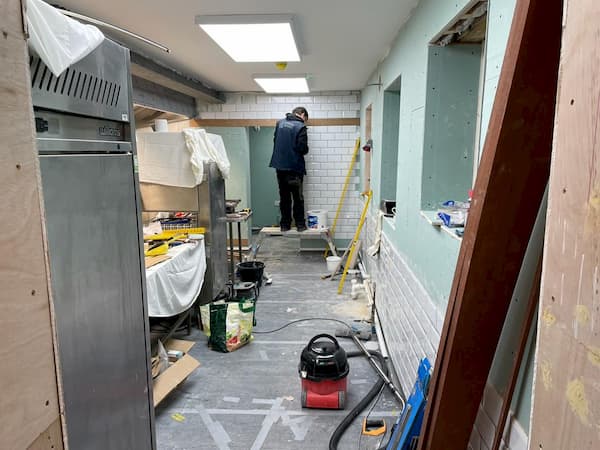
(250, 399)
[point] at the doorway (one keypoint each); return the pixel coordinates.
(263, 182)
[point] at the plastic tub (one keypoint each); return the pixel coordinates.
(332, 262)
(317, 219)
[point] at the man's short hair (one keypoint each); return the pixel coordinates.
(300, 110)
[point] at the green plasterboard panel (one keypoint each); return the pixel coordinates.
(238, 184)
(450, 123)
(389, 147)
(263, 181)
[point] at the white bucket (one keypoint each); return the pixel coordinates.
(317, 219)
(332, 263)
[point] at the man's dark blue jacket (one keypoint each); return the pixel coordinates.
(290, 145)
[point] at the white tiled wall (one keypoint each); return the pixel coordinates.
(322, 105)
(482, 437)
(327, 165)
(412, 325)
(330, 147)
(410, 320)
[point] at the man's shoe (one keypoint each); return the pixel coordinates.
(284, 228)
(301, 228)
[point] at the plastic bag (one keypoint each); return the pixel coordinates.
(57, 39)
(454, 213)
(205, 147)
(160, 362)
(230, 324)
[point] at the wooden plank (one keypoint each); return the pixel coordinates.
(50, 439)
(29, 403)
(12, 19)
(566, 405)
(150, 261)
(269, 122)
(513, 173)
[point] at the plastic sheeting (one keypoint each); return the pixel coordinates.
(173, 285)
(373, 250)
(57, 39)
(176, 159)
(205, 146)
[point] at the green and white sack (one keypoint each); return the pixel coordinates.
(229, 324)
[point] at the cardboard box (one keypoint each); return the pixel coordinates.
(177, 372)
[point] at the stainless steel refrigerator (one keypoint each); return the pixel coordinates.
(91, 195)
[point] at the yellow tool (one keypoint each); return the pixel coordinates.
(168, 234)
(343, 194)
(157, 249)
(373, 427)
(355, 240)
(163, 247)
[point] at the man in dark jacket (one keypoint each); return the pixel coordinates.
(290, 146)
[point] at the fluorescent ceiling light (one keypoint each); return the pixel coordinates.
(252, 38)
(287, 85)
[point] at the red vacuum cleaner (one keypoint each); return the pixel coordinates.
(323, 371)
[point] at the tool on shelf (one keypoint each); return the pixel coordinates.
(161, 248)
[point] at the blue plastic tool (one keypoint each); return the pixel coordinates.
(408, 425)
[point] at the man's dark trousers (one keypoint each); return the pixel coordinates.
(290, 188)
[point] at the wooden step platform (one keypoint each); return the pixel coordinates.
(309, 233)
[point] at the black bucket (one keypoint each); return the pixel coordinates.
(251, 271)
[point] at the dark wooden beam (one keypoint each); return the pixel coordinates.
(511, 179)
(144, 67)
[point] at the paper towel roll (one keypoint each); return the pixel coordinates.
(161, 125)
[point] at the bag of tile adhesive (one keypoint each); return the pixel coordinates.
(228, 325)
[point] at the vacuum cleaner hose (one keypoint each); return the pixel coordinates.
(341, 429)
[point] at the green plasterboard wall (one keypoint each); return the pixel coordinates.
(265, 193)
(389, 146)
(432, 254)
(238, 185)
(450, 123)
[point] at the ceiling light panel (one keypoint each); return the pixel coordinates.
(253, 38)
(288, 85)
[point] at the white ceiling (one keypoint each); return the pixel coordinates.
(341, 40)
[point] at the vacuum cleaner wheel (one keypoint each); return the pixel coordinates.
(341, 399)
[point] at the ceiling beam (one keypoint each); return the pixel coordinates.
(152, 95)
(269, 122)
(144, 67)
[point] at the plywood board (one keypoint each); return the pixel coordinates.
(566, 406)
(50, 439)
(29, 403)
(513, 173)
